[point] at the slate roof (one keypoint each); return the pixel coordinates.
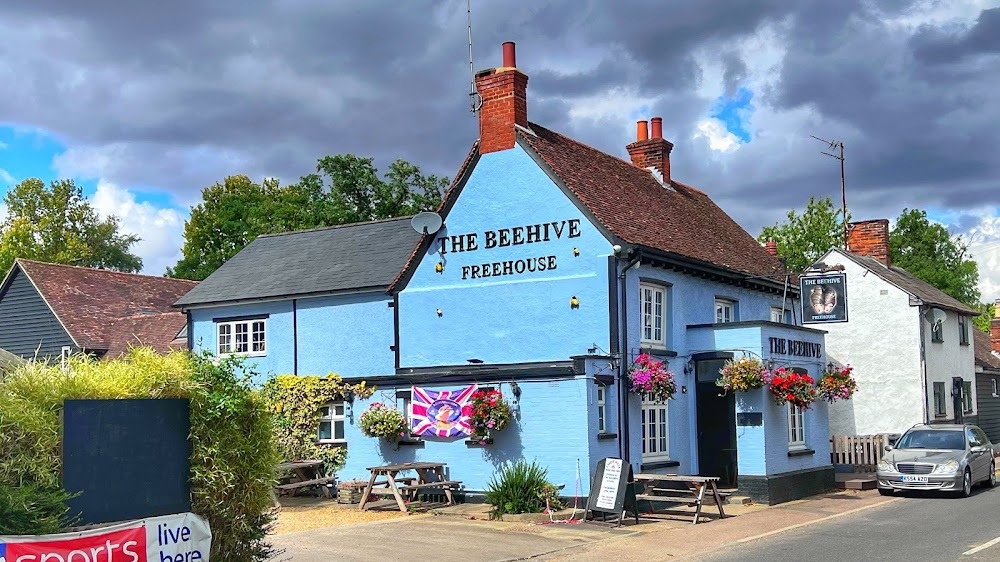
(984, 355)
(911, 284)
(635, 206)
(107, 310)
(351, 257)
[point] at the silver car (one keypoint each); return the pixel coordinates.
(947, 457)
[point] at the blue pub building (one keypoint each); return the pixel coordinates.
(556, 266)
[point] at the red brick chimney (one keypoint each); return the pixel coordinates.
(651, 150)
(870, 238)
(995, 327)
(505, 103)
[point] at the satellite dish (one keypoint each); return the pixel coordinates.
(936, 316)
(426, 222)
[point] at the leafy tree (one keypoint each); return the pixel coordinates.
(926, 250)
(345, 189)
(804, 238)
(985, 315)
(57, 224)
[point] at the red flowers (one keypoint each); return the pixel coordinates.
(788, 387)
(490, 412)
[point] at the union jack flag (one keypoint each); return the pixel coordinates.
(442, 413)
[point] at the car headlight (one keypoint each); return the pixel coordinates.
(885, 466)
(950, 467)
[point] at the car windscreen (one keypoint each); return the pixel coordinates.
(937, 439)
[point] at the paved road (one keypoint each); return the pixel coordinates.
(924, 528)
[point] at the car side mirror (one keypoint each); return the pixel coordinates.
(888, 448)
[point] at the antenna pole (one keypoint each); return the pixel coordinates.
(472, 69)
(843, 186)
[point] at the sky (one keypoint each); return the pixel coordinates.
(145, 104)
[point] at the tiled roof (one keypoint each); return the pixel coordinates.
(633, 204)
(100, 308)
(367, 255)
(984, 355)
(909, 283)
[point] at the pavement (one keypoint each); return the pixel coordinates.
(661, 537)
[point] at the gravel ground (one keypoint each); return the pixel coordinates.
(305, 514)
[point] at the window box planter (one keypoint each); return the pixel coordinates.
(474, 442)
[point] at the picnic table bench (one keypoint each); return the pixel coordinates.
(430, 475)
(305, 475)
(684, 489)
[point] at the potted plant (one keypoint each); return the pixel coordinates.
(383, 421)
(789, 387)
(743, 375)
(837, 383)
(351, 491)
(652, 378)
(490, 412)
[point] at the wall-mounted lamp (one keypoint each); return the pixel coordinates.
(576, 252)
(439, 313)
(349, 405)
(830, 366)
(770, 364)
(439, 267)
(574, 302)
(689, 367)
(515, 389)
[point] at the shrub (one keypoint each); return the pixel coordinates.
(233, 455)
(520, 487)
(743, 375)
(490, 412)
(650, 377)
(382, 421)
(295, 404)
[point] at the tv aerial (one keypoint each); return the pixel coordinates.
(426, 222)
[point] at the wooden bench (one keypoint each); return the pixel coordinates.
(293, 486)
(447, 485)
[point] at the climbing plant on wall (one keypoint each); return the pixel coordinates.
(295, 403)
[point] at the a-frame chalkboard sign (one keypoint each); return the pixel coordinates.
(612, 491)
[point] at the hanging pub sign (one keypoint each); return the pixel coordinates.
(442, 413)
(824, 298)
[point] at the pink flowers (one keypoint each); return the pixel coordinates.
(650, 377)
(838, 384)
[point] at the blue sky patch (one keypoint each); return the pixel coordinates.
(734, 112)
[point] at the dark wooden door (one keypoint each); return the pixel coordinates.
(716, 425)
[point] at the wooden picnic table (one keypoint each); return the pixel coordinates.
(680, 488)
(430, 475)
(306, 474)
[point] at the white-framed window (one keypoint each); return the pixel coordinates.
(963, 330)
(725, 311)
(64, 354)
(243, 337)
(777, 315)
(601, 397)
(653, 314)
(655, 431)
(993, 382)
(967, 397)
(937, 332)
(940, 403)
(796, 427)
(331, 423)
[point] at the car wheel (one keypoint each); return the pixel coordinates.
(885, 492)
(966, 484)
(991, 482)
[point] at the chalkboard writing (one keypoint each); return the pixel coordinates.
(610, 493)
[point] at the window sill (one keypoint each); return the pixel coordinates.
(331, 443)
(801, 452)
(227, 355)
(940, 416)
(656, 350)
(604, 436)
(653, 465)
(476, 443)
(965, 343)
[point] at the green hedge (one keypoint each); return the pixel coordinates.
(231, 432)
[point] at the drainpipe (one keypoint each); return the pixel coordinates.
(623, 433)
(923, 364)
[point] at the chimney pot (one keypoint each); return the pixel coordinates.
(772, 247)
(509, 56)
(657, 127)
(641, 131)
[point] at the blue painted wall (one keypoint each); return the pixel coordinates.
(511, 318)
(348, 335)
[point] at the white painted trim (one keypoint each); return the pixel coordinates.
(233, 323)
(304, 296)
(333, 419)
(664, 315)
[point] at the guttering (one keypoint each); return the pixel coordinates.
(923, 364)
(722, 273)
(280, 298)
(623, 440)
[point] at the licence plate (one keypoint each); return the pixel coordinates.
(916, 479)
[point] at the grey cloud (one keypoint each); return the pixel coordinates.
(937, 46)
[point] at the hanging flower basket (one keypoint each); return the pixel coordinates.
(838, 384)
(788, 387)
(743, 375)
(383, 421)
(652, 378)
(490, 413)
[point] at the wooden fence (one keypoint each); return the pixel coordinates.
(861, 451)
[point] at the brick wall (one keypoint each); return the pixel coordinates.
(995, 327)
(505, 104)
(870, 238)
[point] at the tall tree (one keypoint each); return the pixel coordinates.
(804, 238)
(986, 312)
(345, 189)
(57, 224)
(926, 250)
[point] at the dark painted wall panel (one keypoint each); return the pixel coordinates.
(988, 406)
(27, 323)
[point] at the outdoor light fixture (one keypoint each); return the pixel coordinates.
(576, 251)
(830, 366)
(574, 303)
(515, 389)
(349, 404)
(439, 267)
(770, 364)
(439, 312)
(689, 367)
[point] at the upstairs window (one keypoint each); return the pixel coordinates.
(725, 311)
(653, 314)
(242, 337)
(937, 332)
(963, 330)
(777, 315)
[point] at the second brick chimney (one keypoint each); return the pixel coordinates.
(995, 327)
(870, 238)
(505, 103)
(651, 150)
